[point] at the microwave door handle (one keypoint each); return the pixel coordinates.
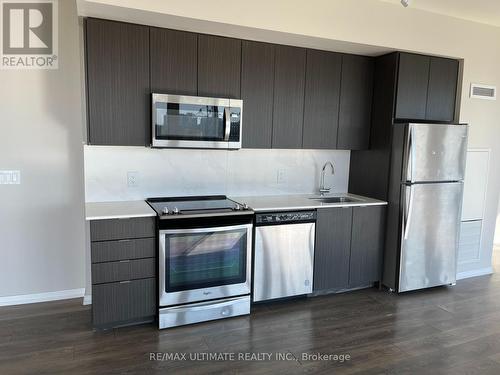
(227, 127)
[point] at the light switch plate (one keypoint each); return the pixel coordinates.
(132, 179)
(10, 177)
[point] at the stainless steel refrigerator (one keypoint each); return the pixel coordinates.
(425, 205)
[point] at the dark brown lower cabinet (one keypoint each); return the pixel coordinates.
(367, 244)
(349, 247)
(124, 268)
(121, 229)
(333, 245)
(110, 251)
(115, 304)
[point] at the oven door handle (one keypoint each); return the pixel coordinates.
(161, 271)
(206, 229)
(227, 127)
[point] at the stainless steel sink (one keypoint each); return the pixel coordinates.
(335, 199)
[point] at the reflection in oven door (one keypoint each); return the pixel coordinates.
(204, 263)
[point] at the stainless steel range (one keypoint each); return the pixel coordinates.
(205, 248)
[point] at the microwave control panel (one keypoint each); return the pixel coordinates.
(235, 116)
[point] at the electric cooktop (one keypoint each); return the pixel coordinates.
(196, 205)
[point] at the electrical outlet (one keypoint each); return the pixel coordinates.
(281, 176)
(10, 177)
(132, 179)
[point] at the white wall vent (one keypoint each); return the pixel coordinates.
(479, 91)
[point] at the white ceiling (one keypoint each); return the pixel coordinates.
(483, 11)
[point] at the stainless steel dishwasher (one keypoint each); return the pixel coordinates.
(284, 254)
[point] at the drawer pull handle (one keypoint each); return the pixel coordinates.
(125, 261)
(124, 240)
(125, 282)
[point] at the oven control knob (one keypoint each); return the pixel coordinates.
(165, 211)
(237, 207)
(245, 206)
(175, 211)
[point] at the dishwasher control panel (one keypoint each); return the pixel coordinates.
(285, 217)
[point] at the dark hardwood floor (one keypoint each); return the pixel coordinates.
(443, 330)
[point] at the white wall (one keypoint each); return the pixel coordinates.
(197, 172)
(41, 220)
(497, 231)
(362, 23)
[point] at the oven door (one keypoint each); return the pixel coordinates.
(190, 121)
(200, 264)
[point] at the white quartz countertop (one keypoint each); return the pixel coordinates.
(117, 210)
(130, 209)
(301, 202)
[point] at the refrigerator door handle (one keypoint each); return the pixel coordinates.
(409, 155)
(409, 214)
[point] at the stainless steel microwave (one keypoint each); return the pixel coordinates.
(196, 122)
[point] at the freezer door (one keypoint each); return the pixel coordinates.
(435, 152)
(430, 231)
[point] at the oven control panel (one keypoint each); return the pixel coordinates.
(285, 217)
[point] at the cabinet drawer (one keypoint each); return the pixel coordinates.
(110, 251)
(123, 270)
(116, 229)
(119, 303)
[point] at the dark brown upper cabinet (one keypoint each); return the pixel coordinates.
(441, 97)
(413, 78)
(118, 92)
(288, 104)
(174, 62)
(355, 102)
(426, 88)
(219, 66)
(322, 93)
(257, 85)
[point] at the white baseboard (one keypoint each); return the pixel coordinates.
(474, 273)
(41, 297)
(87, 299)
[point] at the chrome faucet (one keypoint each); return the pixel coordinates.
(322, 188)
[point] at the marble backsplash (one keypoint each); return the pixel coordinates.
(178, 172)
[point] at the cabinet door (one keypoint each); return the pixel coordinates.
(257, 82)
(288, 109)
(367, 244)
(333, 244)
(118, 90)
(219, 66)
(355, 103)
(413, 77)
(114, 304)
(321, 109)
(441, 96)
(174, 58)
